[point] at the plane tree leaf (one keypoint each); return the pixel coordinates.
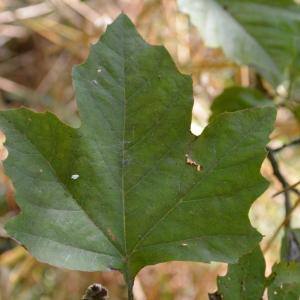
(238, 98)
(260, 33)
(285, 283)
(132, 186)
(296, 112)
(246, 279)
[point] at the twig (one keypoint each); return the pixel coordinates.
(28, 12)
(290, 188)
(287, 188)
(90, 14)
(19, 91)
(53, 74)
(283, 223)
(282, 180)
(292, 143)
(13, 31)
(214, 296)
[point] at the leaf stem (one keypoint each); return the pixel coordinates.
(282, 224)
(285, 185)
(129, 282)
(130, 293)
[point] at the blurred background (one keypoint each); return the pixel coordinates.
(40, 41)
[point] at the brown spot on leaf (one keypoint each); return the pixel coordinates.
(191, 162)
(111, 235)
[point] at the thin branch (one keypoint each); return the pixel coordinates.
(292, 143)
(290, 188)
(214, 296)
(287, 188)
(130, 294)
(277, 173)
(87, 12)
(27, 12)
(283, 223)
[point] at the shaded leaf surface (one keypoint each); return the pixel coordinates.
(246, 279)
(296, 111)
(238, 98)
(290, 245)
(286, 283)
(261, 33)
(118, 193)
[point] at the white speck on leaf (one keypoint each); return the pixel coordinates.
(99, 70)
(75, 176)
(95, 82)
(184, 244)
(275, 292)
(41, 170)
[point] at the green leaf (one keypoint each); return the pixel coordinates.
(296, 111)
(260, 33)
(246, 279)
(290, 245)
(238, 98)
(125, 189)
(3, 201)
(286, 282)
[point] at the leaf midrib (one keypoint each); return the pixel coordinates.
(123, 145)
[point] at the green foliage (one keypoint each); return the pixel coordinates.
(290, 246)
(3, 203)
(246, 279)
(238, 98)
(131, 186)
(296, 111)
(286, 282)
(260, 33)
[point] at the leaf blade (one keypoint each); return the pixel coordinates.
(39, 182)
(250, 32)
(238, 98)
(245, 280)
(127, 165)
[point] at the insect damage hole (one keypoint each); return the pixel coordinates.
(75, 176)
(193, 163)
